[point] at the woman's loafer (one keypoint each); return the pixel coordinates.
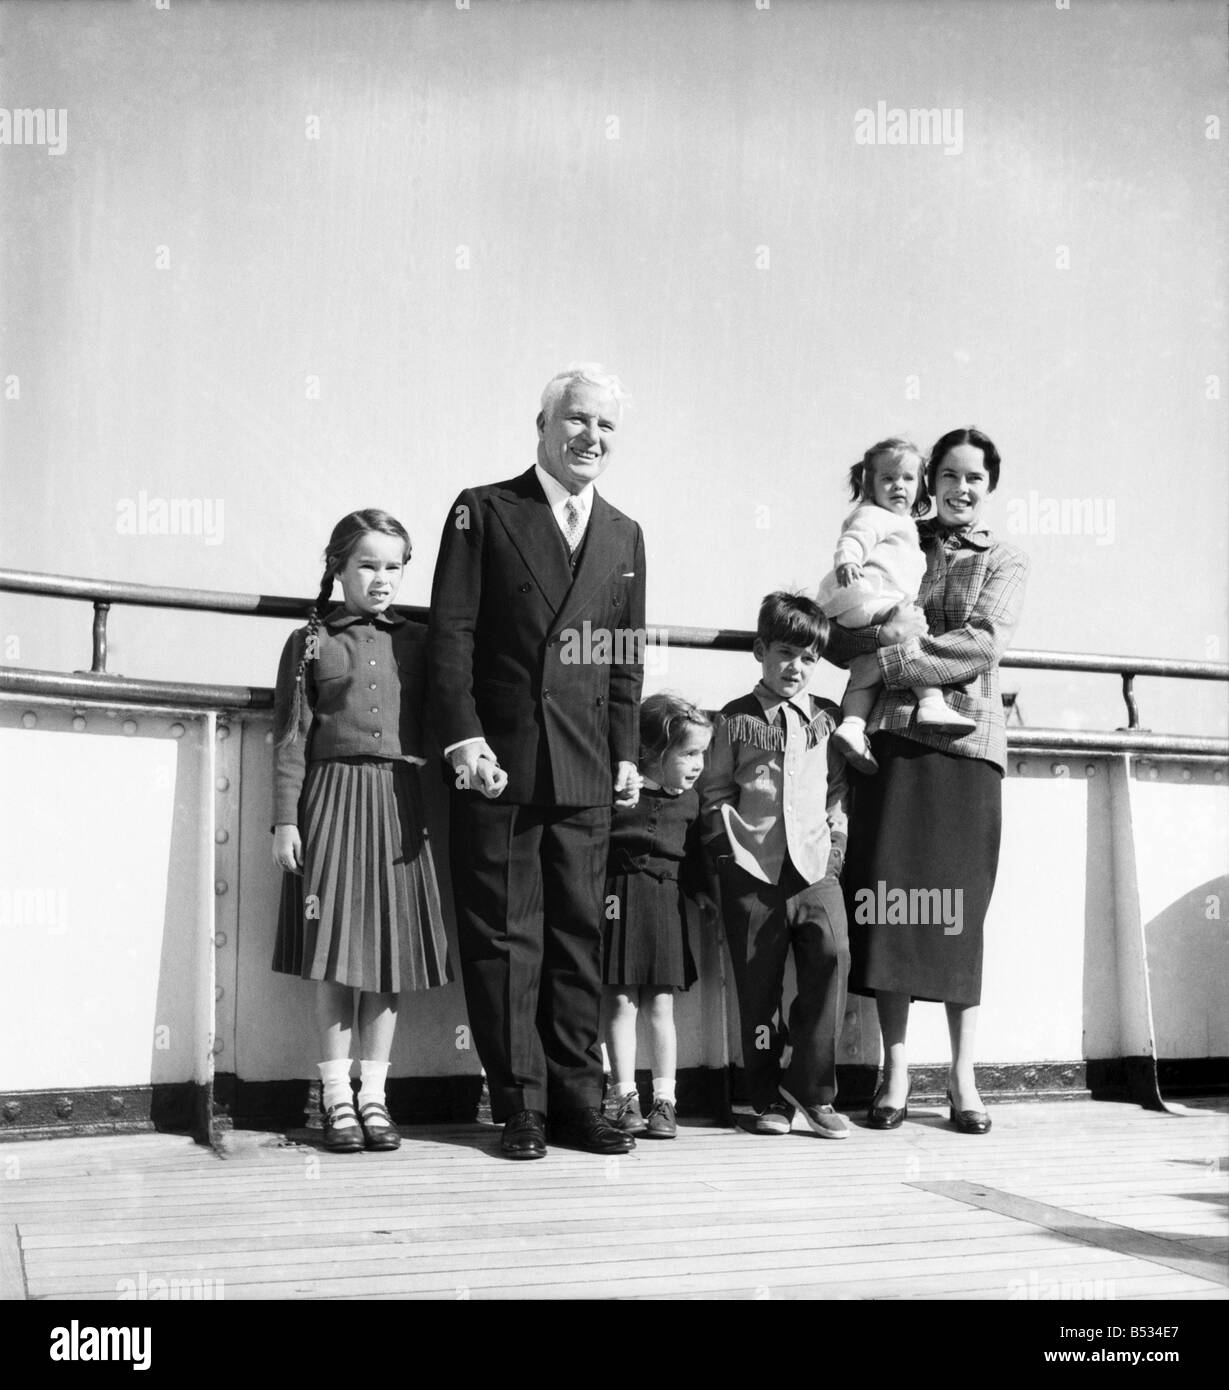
(967, 1121)
(345, 1137)
(379, 1132)
(886, 1116)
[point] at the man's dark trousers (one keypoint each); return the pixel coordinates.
(523, 866)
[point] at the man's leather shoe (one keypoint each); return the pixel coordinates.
(592, 1131)
(524, 1135)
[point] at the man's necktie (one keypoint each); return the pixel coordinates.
(574, 531)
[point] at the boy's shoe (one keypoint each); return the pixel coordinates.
(855, 748)
(624, 1113)
(777, 1119)
(660, 1120)
(937, 716)
(823, 1119)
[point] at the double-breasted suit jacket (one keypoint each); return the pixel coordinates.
(525, 654)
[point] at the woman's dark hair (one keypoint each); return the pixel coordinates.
(951, 440)
(862, 474)
(664, 721)
(792, 619)
(346, 535)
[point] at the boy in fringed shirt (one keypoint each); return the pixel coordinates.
(773, 801)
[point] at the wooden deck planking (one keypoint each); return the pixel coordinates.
(445, 1240)
(717, 1213)
(441, 1259)
(652, 1278)
(625, 1270)
(392, 1209)
(1135, 1173)
(424, 1161)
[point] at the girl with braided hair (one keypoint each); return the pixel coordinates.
(360, 906)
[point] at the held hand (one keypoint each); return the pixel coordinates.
(627, 786)
(847, 573)
(906, 621)
(288, 848)
(492, 779)
(477, 767)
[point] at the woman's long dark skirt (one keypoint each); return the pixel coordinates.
(923, 854)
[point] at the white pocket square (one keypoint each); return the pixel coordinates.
(631, 574)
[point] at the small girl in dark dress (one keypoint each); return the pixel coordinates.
(645, 952)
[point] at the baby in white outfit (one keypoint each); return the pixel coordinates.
(877, 566)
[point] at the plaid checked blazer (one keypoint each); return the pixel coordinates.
(972, 595)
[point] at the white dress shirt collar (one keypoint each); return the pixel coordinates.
(557, 497)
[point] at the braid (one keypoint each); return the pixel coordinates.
(346, 535)
(294, 719)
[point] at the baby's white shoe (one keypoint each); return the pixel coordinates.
(933, 713)
(851, 739)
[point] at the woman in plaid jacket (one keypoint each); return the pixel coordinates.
(924, 832)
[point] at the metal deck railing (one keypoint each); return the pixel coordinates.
(98, 685)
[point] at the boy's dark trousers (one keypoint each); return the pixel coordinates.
(762, 921)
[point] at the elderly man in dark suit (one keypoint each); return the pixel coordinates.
(536, 652)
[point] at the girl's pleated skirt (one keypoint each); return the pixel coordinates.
(366, 909)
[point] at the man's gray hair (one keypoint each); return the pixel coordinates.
(592, 374)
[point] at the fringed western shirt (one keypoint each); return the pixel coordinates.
(768, 791)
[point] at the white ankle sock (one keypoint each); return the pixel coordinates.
(619, 1089)
(663, 1088)
(335, 1079)
(851, 723)
(372, 1076)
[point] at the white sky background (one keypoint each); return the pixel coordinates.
(614, 170)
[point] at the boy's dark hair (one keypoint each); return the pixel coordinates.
(793, 619)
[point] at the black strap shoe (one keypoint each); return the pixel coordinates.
(591, 1131)
(379, 1132)
(342, 1132)
(524, 1135)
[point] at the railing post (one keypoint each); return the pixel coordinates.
(99, 665)
(1128, 694)
(1136, 1028)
